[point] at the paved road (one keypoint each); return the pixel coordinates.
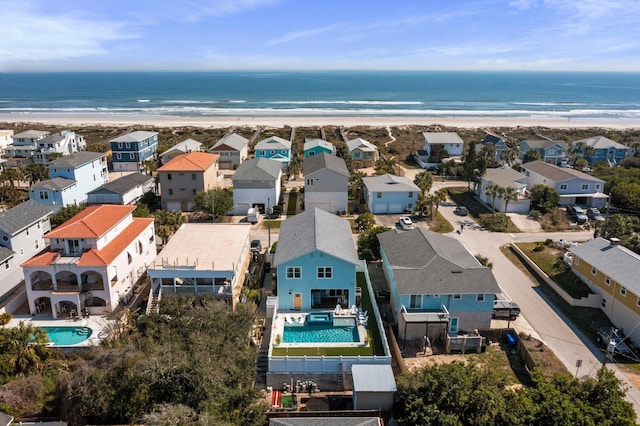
(540, 317)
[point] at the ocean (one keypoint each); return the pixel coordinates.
(355, 93)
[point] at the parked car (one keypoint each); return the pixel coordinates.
(594, 214)
(580, 214)
(505, 309)
(571, 209)
(256, 246)
(406, 223)
(461, 210)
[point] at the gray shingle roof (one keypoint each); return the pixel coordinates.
(428, 263)
(600, 142)
(124, 184)
(389, 183)
(618, 262)
(322, 161)
(5, 254)
(313, 230)
(30, 134)
(56, 137)
(257, 169)
(312, 143)
(273, 142)
(22, 215)
(361, 144)
(56, 183)
(555, 173)
(544, 143)
(74, 160)
(440, 138)
(185, 146)
(506, 177)
(136, 136)
(373, 378)
(233, 140)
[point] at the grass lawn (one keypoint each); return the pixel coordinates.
(273, 224)
(440, 225)
(292, 205)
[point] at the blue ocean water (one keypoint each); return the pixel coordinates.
(354, 93)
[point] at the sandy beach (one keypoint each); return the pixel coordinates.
(79, 120)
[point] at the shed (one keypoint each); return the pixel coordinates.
(373, 386)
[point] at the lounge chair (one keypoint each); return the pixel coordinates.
(354, 310)
(288, 319)
(338, 310)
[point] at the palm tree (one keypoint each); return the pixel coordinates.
(431, 200)
(440, 196)
(29, 346)
(357, 184)
(422, 204)
(11, 175)
(424, 180)
(507, 194)
(510, 155)
(35, 173)
(493, 191)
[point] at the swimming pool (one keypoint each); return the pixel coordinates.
(320, 333)
(67, 336)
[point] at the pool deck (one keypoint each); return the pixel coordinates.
(98, 324)
(300, 318)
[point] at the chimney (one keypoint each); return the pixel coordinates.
(614, 241)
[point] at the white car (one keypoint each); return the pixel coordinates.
(406, 223)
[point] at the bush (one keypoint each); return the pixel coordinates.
(5, 317)
(548, 241)
(535, 214)
(539, 247)
(494, 223)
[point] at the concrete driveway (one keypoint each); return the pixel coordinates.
(524, 222)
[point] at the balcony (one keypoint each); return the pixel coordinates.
(42, 285)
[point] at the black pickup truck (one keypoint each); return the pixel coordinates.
(505, 309)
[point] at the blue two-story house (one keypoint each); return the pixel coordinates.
(316, 262)
(274, 148)
(436, 285)
(390, 194)
(603, 150)
(318, 146)
(131, 150)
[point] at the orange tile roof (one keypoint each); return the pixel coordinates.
(95, 257)
(92, 222)
(191, 161)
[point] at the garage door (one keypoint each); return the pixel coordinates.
(395, 208)
(173, 205)
(380, 208)
(323, 206)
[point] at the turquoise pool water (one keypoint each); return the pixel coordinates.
(67, 336)
(320, 333)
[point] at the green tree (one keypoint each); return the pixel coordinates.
(65, 213)
(474, 165)
(216, 202)
(492, 191)
(28, 346)
(142, 210)
(365, 221)
(440, 196)
(422, 204)
(356, 185)
(510, 155)
(368, 244)
(98, 147)
(34, 173)
(544, 198)
(11, 175)
(424, 181)
(626, 195)
(438, 153)
(507, 193)
(531, 155)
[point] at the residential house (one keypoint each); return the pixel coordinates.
(93, 263)
(603, 150)
(612, 271)
(128, 189)
(203, 258)
(326, 183)
(186, 175)
(317, 146)
(390, 194)
(274, 148)
(58, 144)
(363, 151)
(316, 262)
(504, 177)
(72, 178)
(6, 139)
(553, 152)
(23, 146)
(131, 150)
(449, 142)
(435, 284)
(183, 147)
(233, 149)
(573, 186)
(498, 143)
(21, 236)
(256, 183)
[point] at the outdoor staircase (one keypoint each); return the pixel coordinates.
(154, 303)
(262, 365)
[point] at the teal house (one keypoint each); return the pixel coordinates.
(318, 146)
(316, 262)
(436, 286)
(274, 148)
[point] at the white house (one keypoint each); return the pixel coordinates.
(63, 143)
(6, 138)
(573, 186)
(21, 236)
(93, 262)
(326, 182)
(233, 149)
(72, 178)
(24, 144)
(203, 258)
(504, 177)
(128, 189)
(183, 147)
(450, 141)
(256, 183)
(363, 150)
(390, 194)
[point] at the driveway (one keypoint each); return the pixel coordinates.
(524, 222)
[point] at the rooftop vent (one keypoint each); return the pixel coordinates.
(614, 241)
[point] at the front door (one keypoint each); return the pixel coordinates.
(453, 325)
(297, 301)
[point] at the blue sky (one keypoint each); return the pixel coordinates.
(65, 35)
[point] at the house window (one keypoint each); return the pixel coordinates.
(131, 156)
(379, 195)
(37, 244)
(169, 176)
(119, 144)
(6, 265)
(415, 302)
(74, 246)
(193, 191)
(638, 302)
(576, 261)
(27, 231)
(119, 156)
(597, 186)
(623, 291)
(593, 271)
(325, 272)
(193, 176)
(604, 303)
(294, 272)
(21, 252)
(457, 296)
(129, 258)
(44, 195)
(563, 186)
(410, 194)
(584, 186)
(480, 298)
(607, 280)
(453, 325)
(128, 145)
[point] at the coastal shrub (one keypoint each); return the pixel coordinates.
(494, 223)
